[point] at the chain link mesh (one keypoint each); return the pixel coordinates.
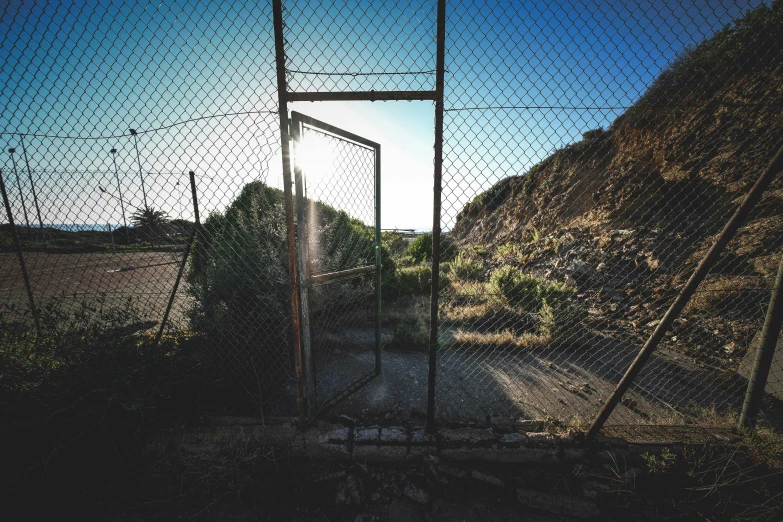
(195, 82)
(592, 153)
(339, 179)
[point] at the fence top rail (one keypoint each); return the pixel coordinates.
(331, 129)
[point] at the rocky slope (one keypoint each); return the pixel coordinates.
(628, 211)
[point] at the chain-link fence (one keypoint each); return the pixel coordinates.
(591, 154)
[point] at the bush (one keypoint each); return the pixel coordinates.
(464, 268)
(394, 243)
(525, 290)
(413, 280)
(561, 321)
(558, 317)
(421, 249)
(239, 279)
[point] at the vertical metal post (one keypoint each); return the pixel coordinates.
(436, 202)
(111, 235)
(728, 232)
(293, 275)
(138, 160)
(200, 252)
(378, 262)
(764, 353)
(119, 189)
(32, 185)
(19, 185)
(185, 255)
(304, 272)
(18, 245)
(182, 264)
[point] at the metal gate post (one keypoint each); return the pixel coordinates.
(761, 365)
(293, 276)
(304, 272)
(378, 261)
(436, 202)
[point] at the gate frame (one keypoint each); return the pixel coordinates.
(306, 280)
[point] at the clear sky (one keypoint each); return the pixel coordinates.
(534, 76)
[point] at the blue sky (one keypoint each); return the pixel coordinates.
(91, 69)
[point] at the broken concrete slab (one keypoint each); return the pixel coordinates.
(366, 435)
(394, 435)
(472, 436)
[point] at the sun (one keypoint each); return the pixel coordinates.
(316, 158)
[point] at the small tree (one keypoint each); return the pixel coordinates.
(149, 220)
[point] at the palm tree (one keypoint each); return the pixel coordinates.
(149, 220)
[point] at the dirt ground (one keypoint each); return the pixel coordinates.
(146, 276)
(556, 383)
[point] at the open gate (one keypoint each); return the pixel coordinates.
(338, 221)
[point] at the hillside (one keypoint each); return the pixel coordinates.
(628, 211)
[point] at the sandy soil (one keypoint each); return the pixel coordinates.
(147, 277)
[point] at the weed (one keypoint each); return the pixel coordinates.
(662, 463)
(464, 268)
(506, 251)
(535, 235)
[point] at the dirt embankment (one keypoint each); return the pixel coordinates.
(629, 211)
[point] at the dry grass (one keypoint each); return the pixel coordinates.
(505, 338)
(471, 313)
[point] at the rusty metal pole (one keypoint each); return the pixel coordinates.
(185, 255)
(764, 353)
(19, 186)
(182, 264)
(436, 202)
(293, 276)
(751, 199)
(32, 185)
(22, 265)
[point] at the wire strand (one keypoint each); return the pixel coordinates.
(114, 136)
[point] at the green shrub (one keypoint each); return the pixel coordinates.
(464, 268)
(561, 321)
(413, 280)
(558, 317)
(421, 249)
(394, 243)
(239, 278)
